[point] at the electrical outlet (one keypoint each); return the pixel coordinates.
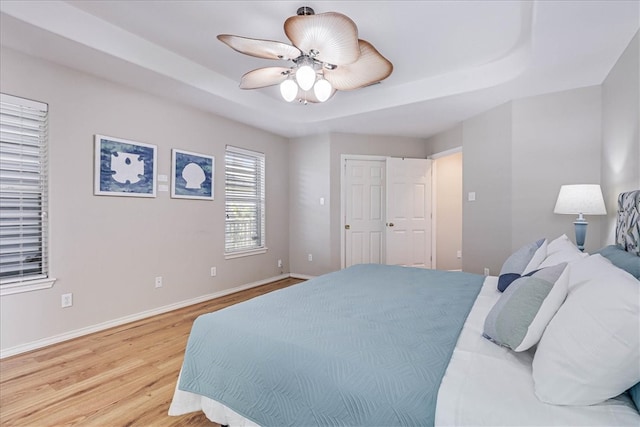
(158, 282)
(486, 271)
(214, 271)
(66, 300)
(310, 257)
(279, 263)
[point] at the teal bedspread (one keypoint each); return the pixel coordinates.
(364, 346)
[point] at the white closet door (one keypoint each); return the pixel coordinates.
(364, 214)
(408, 208)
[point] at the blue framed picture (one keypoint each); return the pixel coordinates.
(124, 168)
(191, 175)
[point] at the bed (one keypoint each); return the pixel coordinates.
(553, 340)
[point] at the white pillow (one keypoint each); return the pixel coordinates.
(590, 350)
(561, 250)
(589, 268)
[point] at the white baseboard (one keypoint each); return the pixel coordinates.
(301, 276)
(34, 345)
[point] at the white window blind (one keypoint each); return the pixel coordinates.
(244, 200)
(23, 190)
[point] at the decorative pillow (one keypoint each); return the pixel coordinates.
(622, 259)
(590, 349)
(521, 262)
(526, 307)
(561, 250)
(635, 395)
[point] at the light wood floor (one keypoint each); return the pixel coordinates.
(124, 376)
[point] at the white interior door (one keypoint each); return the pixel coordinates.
(408, 208)
(364, 214)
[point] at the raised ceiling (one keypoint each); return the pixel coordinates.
(452, 59)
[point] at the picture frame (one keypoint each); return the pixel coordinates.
(192, 175)
(124, 168)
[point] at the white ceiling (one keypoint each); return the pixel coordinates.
(452, 59)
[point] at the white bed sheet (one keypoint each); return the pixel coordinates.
(484, 385)
(488, 385)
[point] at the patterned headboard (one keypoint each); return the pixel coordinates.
(628, 224)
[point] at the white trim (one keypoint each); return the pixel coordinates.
(26, 286)
(34, 345)
(434, 214)
(301, 276)
(445, 153)
(240, 254)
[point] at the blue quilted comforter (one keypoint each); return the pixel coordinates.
(364, 346)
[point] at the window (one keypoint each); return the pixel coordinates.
(244, 202)
(23, 195)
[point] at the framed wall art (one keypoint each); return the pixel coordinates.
(191, 175)
(124, 168)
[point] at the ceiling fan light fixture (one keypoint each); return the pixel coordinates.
(326, 55)
(288, 90)
(322, 89)
(306, 77)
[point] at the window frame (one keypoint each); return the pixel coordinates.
(248, 156)
(26, 108)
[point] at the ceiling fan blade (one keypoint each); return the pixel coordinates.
(333, 35)
(263, 77)
(259, 48)
(371, 68)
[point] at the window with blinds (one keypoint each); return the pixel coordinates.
(244, 201)
(23, 191)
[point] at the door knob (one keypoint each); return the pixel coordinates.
(390, 224)
(347, 227)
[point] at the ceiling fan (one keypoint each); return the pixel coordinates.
(326, 53)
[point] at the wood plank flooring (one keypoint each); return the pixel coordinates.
(124, 376)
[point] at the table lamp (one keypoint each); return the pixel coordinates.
(580, 199)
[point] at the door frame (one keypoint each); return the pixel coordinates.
(343, 196)
(434, 189)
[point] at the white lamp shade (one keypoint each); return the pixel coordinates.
(288, 90)
(306, 77)
(322, 90)
(583, 199)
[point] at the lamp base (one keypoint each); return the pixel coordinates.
(581, 232)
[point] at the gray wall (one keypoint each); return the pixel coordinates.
(516, 157)
(556, 140)
(315, 172)
(486, 165)
(107, 250)
(620, 135)
(310, 222)
(446, 140)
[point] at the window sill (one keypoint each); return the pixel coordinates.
(232, 255)
(28, 286)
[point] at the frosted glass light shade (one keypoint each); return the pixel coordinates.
(322, 90)
(585, 199)
(305, 76)
(288, 90)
